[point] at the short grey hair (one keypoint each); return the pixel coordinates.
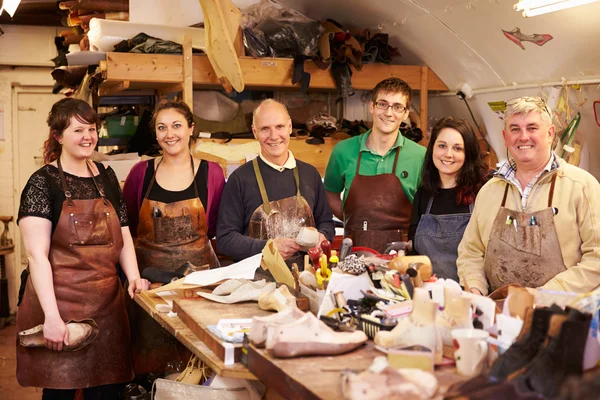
(525, 105)
(267, 102)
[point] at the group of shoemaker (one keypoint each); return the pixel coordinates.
(531, 222)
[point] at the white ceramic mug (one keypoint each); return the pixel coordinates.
(470, 350)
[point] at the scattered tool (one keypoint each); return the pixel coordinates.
(345, 249)
(326, 247)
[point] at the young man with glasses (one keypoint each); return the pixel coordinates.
(537, 222)
(378, 171)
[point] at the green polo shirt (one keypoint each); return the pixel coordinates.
(341, 167)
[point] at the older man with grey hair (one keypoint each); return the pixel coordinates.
(537, 222)
(272, 196)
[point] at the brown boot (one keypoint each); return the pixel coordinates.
(561, 358)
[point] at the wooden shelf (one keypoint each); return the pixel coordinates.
(156, 70)
(165, 73)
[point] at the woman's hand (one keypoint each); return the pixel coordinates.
(476, 291)
(55, 333)
(137, 286)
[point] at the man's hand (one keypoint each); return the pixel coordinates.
(287, 247)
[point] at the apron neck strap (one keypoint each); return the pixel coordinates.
(393, 167)
(156, 170)
(65, 188)
(261, 186)
(263, 189)
(429, 204)
(551, 193)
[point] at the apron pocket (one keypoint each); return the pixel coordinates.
(526, 238)
(376, 239)
(172, 230)
(91, 229)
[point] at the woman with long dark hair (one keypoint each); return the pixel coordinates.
(453, 172)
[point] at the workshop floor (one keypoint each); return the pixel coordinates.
(9, 388)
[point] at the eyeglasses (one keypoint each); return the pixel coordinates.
(397, 107)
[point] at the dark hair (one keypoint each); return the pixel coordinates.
(473, 173)
(59, 119)
(393, 85)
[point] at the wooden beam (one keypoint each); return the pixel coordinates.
(188, 84)
(174, 88)
(114, 87)
(424, 98)
(274, 73)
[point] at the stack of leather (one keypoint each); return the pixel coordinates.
(80, 12)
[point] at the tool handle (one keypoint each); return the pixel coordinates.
(346, 248)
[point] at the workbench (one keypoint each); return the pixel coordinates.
(295, 378)
(176, 327)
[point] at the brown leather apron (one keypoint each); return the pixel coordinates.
(168, 235)
(377, 211)
(280, 218)
(84, 251)
(526, 253)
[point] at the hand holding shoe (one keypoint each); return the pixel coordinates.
(55, 333)
(286, 247)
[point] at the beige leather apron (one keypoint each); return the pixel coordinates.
(84, 251)
(169, 234)
(377, 211)
(526, 252)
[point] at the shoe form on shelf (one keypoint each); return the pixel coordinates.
(560, 358)
(456, 315)
(382, 382)
(311, 336)
(260, 325)
(529, 342)
(277, 300)
(418, 328)
(81, 333)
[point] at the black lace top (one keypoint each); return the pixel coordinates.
(43, 196)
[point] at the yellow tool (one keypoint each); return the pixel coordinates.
(323, 273)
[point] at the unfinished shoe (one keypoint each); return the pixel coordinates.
(456, 315)
(277, 300)
(310, 336)
(418, 329)
(248, 291)
(260, 325)
(382, 382)
(231, 285)
(518, 301)
(81, 333)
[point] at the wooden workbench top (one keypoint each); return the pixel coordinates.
(308, 378)
(182, 333)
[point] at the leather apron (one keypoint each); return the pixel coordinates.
(377, 211)
(280, 218)
(526, 252)
(84, 251)
(168, 235)
(438, 237)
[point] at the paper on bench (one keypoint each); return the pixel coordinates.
(244, 269)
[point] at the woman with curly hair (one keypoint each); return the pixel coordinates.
(453, 172)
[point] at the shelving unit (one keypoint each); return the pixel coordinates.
(165, 73)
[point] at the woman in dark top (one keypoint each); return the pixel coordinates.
(453, 172)
(74, 227)
(172, 202)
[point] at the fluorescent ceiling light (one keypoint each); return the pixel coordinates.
(10, 6)
(532, 8)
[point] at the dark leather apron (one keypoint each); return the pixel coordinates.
(84, 251)
(168, 235)
(280, 218)
(527, 254)
(438, 237)
(376, 211)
